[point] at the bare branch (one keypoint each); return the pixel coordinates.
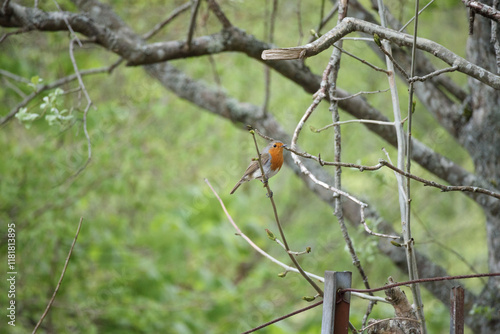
(85, 111)
(482, 9)
(49, 305)
(350, 25)
(433, 74)
(176, 12)
(214, 7)
(194, 12)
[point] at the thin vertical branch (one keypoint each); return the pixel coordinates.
(49, 305)
(299, 22)
(280, 228)
(267, 69)
(335, 63)
(85, 111)
(494, 37)
(407, 236)
(192, 24)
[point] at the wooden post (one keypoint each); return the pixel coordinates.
(457, 316)
(336, 305)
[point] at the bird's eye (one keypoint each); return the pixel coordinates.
(275, 145)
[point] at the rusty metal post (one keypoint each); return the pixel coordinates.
(457, 316)
(336, 305)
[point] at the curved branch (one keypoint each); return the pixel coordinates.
(351, 24)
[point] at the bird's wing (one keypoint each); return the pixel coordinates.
(254, 166)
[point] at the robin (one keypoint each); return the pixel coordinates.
(272, 160)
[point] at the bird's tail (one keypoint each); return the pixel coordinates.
(236, 187)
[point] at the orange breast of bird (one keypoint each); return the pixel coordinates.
(276, 158)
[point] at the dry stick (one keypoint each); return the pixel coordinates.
(270, 195)
(60, 279)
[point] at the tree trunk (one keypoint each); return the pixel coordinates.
(480, 135)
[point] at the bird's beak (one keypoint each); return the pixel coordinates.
(285, 146)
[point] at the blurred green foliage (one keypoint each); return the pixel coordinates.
(156, 252)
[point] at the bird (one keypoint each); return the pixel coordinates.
(272, 160)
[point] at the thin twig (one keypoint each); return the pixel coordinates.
(376, 68)
(385, 163)
(408, 238)
(14, 76)
(389, 55)
(267, 69)
(280, 228)
(215, 8)
(72, 32)
(85, 111)
(444, 188)
(192, 24)
(433, 74)
(283, 317)
(365, 121)
(251, 243)
(299, 22)
(337, 144)
(176, 12)
(363, 93)
(421, 280)
(325, 19)
(60, 278)
(376, 234)
(19, 31)
(274, 260)
(413, 18)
